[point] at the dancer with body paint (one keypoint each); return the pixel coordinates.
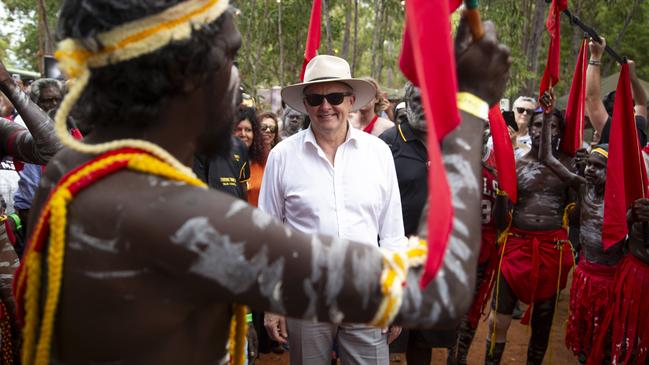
(624, 336)
(132, 261)
(536, 256)
(592, 283)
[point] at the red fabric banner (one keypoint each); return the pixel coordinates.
(573, 135)
(626, 177)
(454, 4)
(553, 23)
(313, 37)
(504, 151)
(428, 60)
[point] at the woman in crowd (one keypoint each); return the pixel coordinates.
(259, 142)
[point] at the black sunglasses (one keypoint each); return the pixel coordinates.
(523, 110)
(333, 98)
(268, 127)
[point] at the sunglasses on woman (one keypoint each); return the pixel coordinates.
(268, 128)
(523, 110)
(333, 98)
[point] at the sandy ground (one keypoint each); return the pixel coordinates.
(515, 352)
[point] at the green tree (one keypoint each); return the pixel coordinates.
(36, 25)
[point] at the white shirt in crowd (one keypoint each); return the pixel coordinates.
(357, 198)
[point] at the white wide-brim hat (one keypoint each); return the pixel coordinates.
(323, 69)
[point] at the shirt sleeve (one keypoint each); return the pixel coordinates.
(29, 177)
(271, 196)
(391, 231)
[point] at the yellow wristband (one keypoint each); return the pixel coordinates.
(473, 105)
(501, 192)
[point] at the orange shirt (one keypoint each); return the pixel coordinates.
(254, 183)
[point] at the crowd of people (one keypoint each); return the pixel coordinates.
(152, 214)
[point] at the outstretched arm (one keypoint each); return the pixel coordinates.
(37, 144)
(546, 156)
(594, 106)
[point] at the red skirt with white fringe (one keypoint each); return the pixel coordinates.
(590, 296)
(628, 317)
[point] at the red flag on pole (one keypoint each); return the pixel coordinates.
(573, 135)
(553, 23)
(626, 177)
(313, 37)
(504, 151)
(428, 60)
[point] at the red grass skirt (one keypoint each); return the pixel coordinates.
(531, 263)
(489, 260)
(590, 296)
(628, 317)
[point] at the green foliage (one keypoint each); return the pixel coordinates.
(380, 26)
(27, 45)
(259, 57)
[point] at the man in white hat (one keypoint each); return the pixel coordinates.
(333, 179)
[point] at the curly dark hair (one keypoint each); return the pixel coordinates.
(256, 151)
(133, 92)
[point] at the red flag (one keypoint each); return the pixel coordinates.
(454, 4)
(573, 135)
(504, 151)
(313, 37)
(626, 177)
(428, 60)
(553, 23)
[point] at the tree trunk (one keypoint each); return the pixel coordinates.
(381, 54)
(532, 51)
(577, 33)
(48, 41)
(355, 50)
(375, 37)
(325, 13)
(527, 8)
(281, 44)
(348, 23)
(44, 36)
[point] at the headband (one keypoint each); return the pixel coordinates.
(601, 151)
(123, 43)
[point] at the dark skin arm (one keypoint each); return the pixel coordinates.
(483, 69)
(581, 159)
(638, 217)
(501, 211)
(546, 154)
(39, 143)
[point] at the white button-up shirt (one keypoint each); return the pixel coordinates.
(356, 198)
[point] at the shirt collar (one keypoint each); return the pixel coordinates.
(352, 135)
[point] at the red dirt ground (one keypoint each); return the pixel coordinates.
(515, 352)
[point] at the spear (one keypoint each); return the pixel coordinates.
(473, 17)
(574, 20)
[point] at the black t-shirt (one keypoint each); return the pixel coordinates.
(411, 163)
(227, 174)
(640, 124)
